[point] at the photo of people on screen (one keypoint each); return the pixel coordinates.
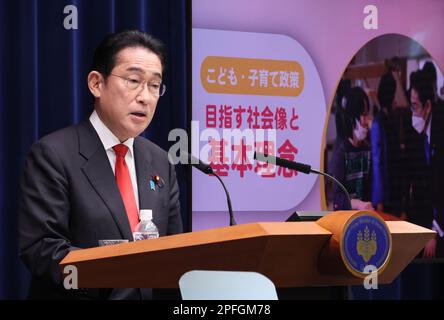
(385, 140)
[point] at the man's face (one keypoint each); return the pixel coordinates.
(127, 113)
(417, 106)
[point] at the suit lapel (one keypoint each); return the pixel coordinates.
(143, 171)
(99, 173)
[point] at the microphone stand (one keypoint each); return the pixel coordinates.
(230, 209)
(337, 182)
(300, 167)
(207, 169)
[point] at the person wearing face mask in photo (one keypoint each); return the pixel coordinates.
(425, 149)
(351, 159)
(427, 163)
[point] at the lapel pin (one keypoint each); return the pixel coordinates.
(156, 180)
(152, 185)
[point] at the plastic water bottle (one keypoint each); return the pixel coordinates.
(145, 229)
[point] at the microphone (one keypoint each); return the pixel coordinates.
(198, 164)
(301, 167)
(207, 169)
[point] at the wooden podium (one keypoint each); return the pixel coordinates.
(291, 254)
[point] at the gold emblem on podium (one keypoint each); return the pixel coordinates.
(366, 244)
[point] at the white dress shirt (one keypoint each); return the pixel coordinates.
(109, 140)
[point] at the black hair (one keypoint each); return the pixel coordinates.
(386, 91)
(423, 85)
(355, 105)
(393, 64)
(430, 70)
(343, 88)
(106, 52)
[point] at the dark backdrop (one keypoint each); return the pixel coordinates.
(43, 70)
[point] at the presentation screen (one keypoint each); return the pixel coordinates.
(281, 77)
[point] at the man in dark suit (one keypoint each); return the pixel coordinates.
(87, 182)
(427, 161)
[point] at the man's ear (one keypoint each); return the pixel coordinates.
(95, 83)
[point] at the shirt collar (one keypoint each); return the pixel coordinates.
(106, 136)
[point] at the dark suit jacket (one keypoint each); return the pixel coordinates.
(437, 160)
(427, 181)
(70, 200)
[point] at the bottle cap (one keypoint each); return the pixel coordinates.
(146, 214)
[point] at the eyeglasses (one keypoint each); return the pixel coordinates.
(157, 89)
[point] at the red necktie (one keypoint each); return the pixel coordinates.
(125, 186)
